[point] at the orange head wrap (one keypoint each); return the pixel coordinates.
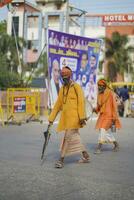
(102, 82)
(66, 72)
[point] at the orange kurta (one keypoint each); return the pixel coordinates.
(107, 107)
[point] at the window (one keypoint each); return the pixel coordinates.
(29, 44)
(33, 22)
(33, 44)
(15, 23)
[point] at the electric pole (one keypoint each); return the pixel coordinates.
(67, 17)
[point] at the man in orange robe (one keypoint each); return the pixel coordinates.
(108, 116)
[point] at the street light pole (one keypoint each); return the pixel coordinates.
(23, 49)
(67, 17)
(17, 49)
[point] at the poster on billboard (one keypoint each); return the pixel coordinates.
(19, 104)
(81, 54)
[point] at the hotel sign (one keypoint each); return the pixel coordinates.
(118, 19)
(4, 2)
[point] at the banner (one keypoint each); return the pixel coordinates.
(81, 54)
(4, 2)
(19, 104)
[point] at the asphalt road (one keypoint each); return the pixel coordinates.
(109, 176)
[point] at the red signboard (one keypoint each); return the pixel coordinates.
(4, 2)
(118, 18)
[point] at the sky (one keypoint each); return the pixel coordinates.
(94, 6)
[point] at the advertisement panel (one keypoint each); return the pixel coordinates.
(19, 104)
(81, 54)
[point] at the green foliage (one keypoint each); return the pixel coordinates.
(8, 79)
(118, 55)
(3, 26)
(43, 69)
(9, 62)
(9, 76)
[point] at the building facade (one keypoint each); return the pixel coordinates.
(32, 21)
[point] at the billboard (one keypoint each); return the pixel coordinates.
(81, 54)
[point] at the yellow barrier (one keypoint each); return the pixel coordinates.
(1, 115)
(130, 85)
(23, 104)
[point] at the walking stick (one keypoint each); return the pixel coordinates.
(89, 110)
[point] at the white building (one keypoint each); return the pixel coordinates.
(31, 21)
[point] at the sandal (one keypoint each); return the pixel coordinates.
(115, 149)
(59, 164)
(84, 160)
(97, 151)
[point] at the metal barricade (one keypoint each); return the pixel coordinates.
(2, 115)
(23, 105)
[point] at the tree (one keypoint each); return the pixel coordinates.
(7, 78)
(9, 58)
(117, 55)
(3, 26)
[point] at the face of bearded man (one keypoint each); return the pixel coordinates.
(101, 89)
(66, 80)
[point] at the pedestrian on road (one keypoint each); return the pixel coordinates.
(108, 119)
(71, 104)
(124, 95)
